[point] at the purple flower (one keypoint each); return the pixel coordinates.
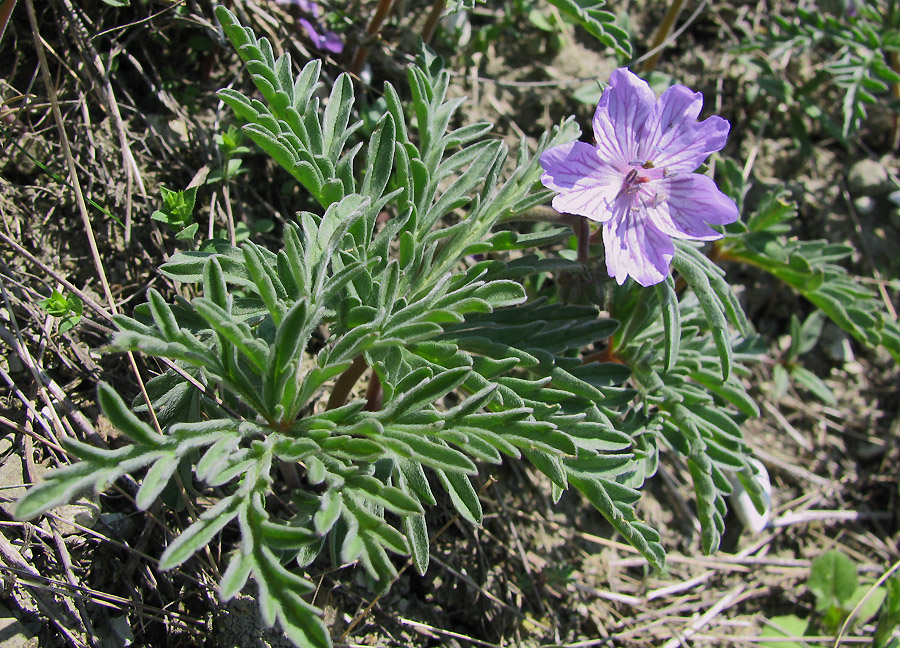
(327, 40)
(637, 179)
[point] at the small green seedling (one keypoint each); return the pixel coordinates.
(230, 146)
(834, 581)
(804, 338)
(67, 308)
(177, 212)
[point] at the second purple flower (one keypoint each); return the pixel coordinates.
(637, 179)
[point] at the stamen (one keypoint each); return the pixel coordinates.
(648, 165)
(632, 175)
(667, 173)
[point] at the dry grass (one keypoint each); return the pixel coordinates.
(100, 106)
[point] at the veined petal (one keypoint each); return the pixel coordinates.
(621, 115)
(636, 249)
(673, 116)
(691, 201)
(674, 138)
(585, 184)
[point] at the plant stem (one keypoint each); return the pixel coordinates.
(437, 10)
(362, 52)
(374, 394)
(543, 214)
(583, 234)
(345, 383)
(895, 91)
(665, 28)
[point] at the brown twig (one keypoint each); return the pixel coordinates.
(362, 51)
(6, 10)
(434, 16)
(79, 194)
(665, 28)
(345, 382)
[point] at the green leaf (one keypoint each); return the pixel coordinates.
(424, 394)
(237, 333)
(380, 157)
(463, 496)
(417, 536)
(200, 533)
(889, 618)
(411, 480)
(59, 487)
(337, 116)
(156, 479)
(332, 503)
(871, 600)
(639, 536)
(786, 626)
(121, 416)
(814, 384)
(599, 24)
(423, 450)
(668, 301)
(685, 262)
(832, 579)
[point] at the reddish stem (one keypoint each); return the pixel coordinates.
(362, 52)
(374, 393)
(437, 10)
(345, 383)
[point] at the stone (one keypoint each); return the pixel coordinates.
(869, 178)
(12, 483)
(83, 512)
(12, 633)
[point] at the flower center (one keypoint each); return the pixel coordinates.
(633, 181)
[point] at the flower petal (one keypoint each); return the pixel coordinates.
(691, 201)
(673, 138)
(620, 117)
(636, 249)
(585, 184)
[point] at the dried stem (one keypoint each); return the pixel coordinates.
(665, 28)
(362, 52)
(437, 10)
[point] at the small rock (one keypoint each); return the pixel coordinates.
(12, 483)
(239, 623)
(869, 178)
(12, 633)
(864, 205)
(83, 512)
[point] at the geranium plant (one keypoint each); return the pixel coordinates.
(427, 310)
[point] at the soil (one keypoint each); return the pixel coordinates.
(138, 82)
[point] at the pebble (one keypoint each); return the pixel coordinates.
(869, 178)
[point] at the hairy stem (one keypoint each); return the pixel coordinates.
(544, 214)
(374, 394)
(583, 234)
(665, 28)
(362, 52)
(895, 92)
(437, 10)
(345, 383)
